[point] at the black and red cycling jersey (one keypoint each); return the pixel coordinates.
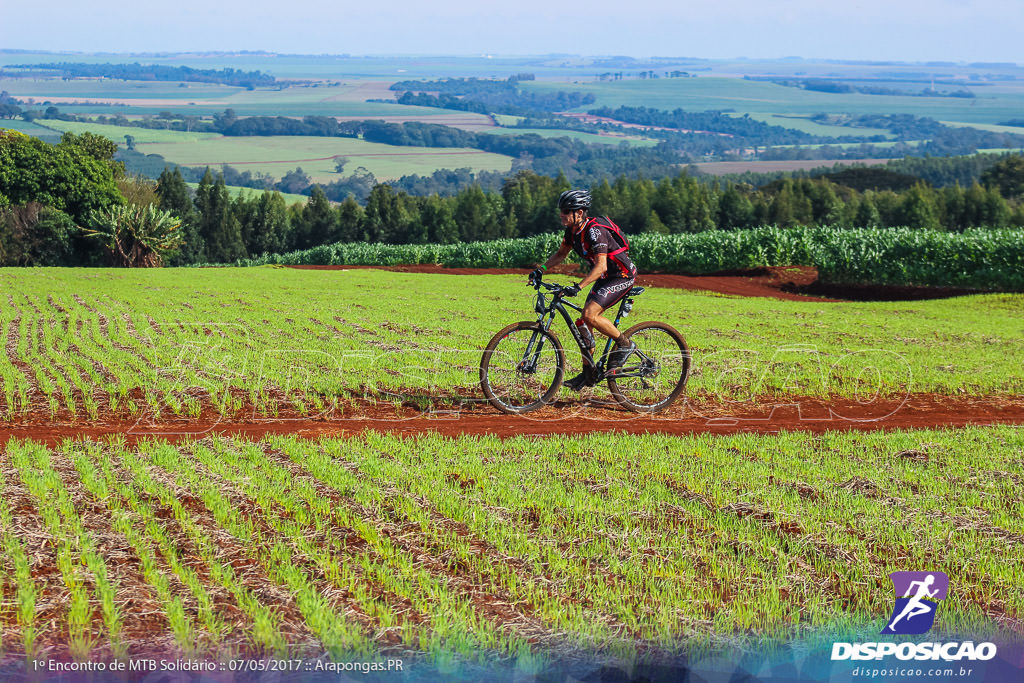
(602, 236)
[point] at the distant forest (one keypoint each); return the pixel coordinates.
(146, 72)
(48, 191)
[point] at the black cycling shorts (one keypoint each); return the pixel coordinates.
(608, 291)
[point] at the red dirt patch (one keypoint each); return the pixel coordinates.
(789, 283)
(696, 415)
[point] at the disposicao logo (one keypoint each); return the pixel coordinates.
(917, 597)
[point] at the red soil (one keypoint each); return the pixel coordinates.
(412, 413)
(570, 415)
(790, 283)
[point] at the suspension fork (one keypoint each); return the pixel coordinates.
(536, 344)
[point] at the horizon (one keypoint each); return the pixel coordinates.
(496, 55)
(959, 31)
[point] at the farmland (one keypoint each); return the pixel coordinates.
(477, 548)
(249, 192)
(280, 154)
(521, 553)
(88, 344)
(250, 466)
(130, 97)
(757, 97)
(357, 89)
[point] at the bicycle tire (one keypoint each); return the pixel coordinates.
(662, 344)
(505, 384)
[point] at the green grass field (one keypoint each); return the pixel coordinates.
(589, 138)
(473, 549)
(316, 156)
(176, 93)
(248, 191)
(134, 325)
(804, 124)
(466, 551)
(278, 155)
(34, 129)
(733, 94)
(144, 97)
(117, 133)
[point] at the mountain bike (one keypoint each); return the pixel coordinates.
(524, 364)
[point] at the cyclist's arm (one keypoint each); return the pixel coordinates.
(599, 269)
(558, 256)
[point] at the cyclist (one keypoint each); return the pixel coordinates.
(599, 242)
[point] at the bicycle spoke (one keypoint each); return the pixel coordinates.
(654, 375)
(521, 369)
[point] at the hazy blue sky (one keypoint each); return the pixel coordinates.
(912, 30)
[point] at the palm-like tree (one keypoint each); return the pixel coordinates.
(136, 236)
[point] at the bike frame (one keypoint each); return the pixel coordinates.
(546, 317)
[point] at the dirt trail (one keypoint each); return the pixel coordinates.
(788, 283)
(765, 415)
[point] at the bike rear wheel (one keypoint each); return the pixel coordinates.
(654, 375)
(522, 368)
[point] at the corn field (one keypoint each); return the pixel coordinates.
(978, 258)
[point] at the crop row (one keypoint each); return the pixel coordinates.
(979, 258)
(479, 547)
(286, 342)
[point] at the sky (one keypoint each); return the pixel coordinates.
(904, 30)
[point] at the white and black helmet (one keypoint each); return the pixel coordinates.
(572, 200)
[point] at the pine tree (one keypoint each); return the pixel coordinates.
(735, 210)
(350, 220)
(175, 197)
(268, 230)
(320, 220)
(218, 225)
(918, 208)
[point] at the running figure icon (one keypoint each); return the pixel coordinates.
(917, 595)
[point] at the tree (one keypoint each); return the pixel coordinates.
(350, 220)
(531, 202)
(438, 217)
(136, 236)
(1007, 176)
(174, 196)
(475, 216)
(918, 208)
(218, 226)
(264, 222)
(96, 146)
(735, 211)
(320, 222)
(867, 215)
(75, 176)
(37, 235)
(294, 182)
(387, 217)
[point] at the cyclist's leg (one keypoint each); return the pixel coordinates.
(603, 295)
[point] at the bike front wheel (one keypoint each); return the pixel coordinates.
(654, 375)
(522, 368)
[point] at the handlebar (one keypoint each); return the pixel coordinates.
(537, 283)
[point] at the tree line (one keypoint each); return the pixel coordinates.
(844, 86)
(488, 96)
(48, 193)
(225, 229)
(145, 72)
